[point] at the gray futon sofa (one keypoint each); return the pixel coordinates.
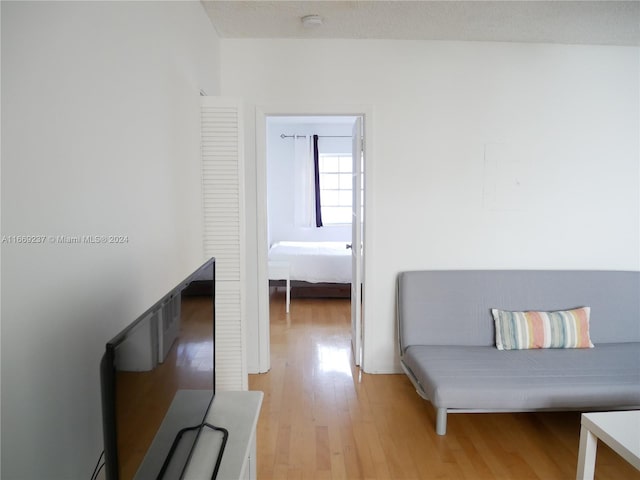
(447, 341)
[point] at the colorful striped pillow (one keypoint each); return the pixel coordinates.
(524, 330)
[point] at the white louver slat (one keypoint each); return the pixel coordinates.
(223, 196)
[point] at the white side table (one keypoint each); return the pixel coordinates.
(280, 271)
(619, 430)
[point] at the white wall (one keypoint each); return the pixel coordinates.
(100, 130)
(280, 185)
(485, 155)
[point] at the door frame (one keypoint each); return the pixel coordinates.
(283, 110)
(357, 170)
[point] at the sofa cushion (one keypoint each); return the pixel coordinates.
(559, 329)
(482, 377)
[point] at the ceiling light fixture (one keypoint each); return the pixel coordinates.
(310, 21)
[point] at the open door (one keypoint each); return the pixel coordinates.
(356, 243)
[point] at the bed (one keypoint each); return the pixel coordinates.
(326, 266)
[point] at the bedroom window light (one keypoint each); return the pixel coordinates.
(335, 188)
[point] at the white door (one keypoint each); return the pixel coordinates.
(356, 243)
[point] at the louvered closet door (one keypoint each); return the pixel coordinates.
(223, 206)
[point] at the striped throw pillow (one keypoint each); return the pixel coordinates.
(524, 330)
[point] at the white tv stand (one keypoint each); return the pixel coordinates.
(235, 411)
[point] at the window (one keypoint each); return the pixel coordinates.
(335, 188)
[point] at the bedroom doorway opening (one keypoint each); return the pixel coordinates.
(314, 202)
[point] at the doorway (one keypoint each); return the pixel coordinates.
(287, 217)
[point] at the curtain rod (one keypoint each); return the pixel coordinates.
(321, 136)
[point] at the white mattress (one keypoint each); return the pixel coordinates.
(314, 262)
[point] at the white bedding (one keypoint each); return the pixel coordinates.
(314, 262)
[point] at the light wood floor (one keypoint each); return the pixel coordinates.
(324, 419)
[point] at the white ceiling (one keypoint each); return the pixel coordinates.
(606, 22)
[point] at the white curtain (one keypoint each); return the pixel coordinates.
(303, 181)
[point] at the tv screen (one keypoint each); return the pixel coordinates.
(158, 378)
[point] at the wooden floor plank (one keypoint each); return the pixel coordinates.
(322, 418)
(322, 450)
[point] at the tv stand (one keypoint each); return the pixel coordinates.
(236, 412)
(198, 429)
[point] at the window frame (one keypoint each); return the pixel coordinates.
(340, 190)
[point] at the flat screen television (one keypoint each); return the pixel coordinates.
(158, 382)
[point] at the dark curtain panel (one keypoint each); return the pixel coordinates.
(316, 168)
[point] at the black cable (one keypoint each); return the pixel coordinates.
(176, 441)
(225, 436)
(174, 446)
(101, 467)
(94, 475)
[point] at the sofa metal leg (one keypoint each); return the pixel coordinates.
(441, 421)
